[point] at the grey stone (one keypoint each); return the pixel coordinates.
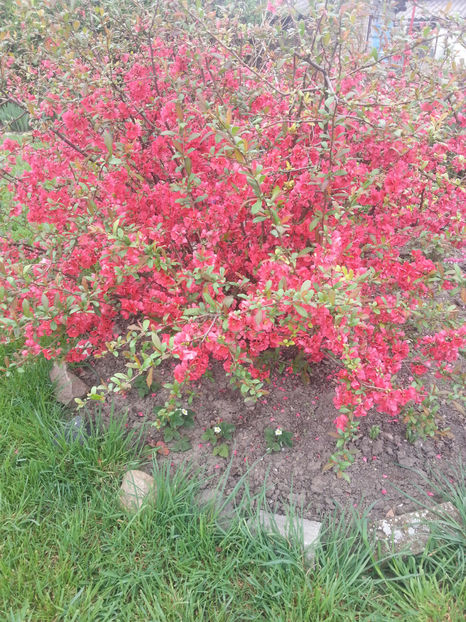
(211, 497)
(410, 532)
(377, 447)
(307, 531)
(136, 486)
(67, 385)
(75, 430)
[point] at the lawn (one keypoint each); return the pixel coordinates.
(69, 552)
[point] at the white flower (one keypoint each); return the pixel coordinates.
(184, 411)
(278, 432)
(217, 429)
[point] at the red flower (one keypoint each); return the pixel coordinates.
(341, 422)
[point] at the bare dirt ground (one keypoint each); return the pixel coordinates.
(386, 471)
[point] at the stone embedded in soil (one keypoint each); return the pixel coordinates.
(74, 430)
(410, 532)
(213, 498)
(67, 385)
(309, 529)
(136, 486)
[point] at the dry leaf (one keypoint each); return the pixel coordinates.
(161, 447)
(163, 451)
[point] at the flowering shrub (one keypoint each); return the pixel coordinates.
(223, 198)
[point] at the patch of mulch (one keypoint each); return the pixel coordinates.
(385, 473)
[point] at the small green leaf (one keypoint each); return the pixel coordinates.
(302, 312)
(208, 298)
(182, 444)
(108, 141)
(257, 207)
(314, 223)
(171, 434)
(221, 450)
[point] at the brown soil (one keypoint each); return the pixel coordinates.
(385, 470)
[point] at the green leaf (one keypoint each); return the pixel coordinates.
(227, 430)
(140, 384)
(275, 192)
(209, 436)
(108, 141)
(156, 341)
(257, 207)
(182, 444)
(314, 223)
(186, 417)
(208, 298)
(302, 312)
(221, 450)
(170, 434)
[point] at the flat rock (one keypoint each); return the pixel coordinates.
(410, 532)
(278, 523)
(136, 486)
(67, 385)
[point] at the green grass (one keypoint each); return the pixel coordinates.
(69, 552)
(16, 227)
(13, 118)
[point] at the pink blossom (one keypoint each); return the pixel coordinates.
(341, 422)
